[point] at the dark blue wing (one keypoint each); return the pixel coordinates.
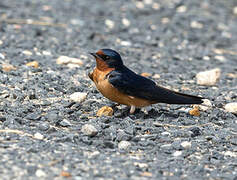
(135, 85)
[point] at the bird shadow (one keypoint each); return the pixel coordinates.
(139, 114)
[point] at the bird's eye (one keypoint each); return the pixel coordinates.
(107, 57)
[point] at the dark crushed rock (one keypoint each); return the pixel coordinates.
(41, 128)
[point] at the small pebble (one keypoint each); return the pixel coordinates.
(195, 111)
(27, 52)
(145, 74)
(68, 60)
(2, 56)
(126, 22)
(206, 102)
(78, 97)
(156, 6)
(65, 123)
(156, 76)
(46, 53)
(166, 146)
(148, 2)
(89, 130)
(181, 9)
(44, 126)
(141, 165)
(206, 58)
(220, 58)
(166, 133)
(124, 145)
(38, 136)
(65, 174)
(235, 10)
(186, 144)
(165, 20)
(125, 43)
(231, 107)
(196, 25)
(146, 174)
(105, 111)
(177, 153)
(139, 5)
(109, 23)
(40, 173)
(230, 153)
(34, 64)
(208, 78)
(8, 67)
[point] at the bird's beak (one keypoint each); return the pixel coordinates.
(94, 54)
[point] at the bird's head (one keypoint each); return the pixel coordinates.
(107, 58)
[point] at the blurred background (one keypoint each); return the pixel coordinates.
(146, 29)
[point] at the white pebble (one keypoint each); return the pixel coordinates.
(27, 52)
(235, 10)
(208, 78)
(206, 58)
(139, 5)
(220, 58)
(196, 25)
(124, 145)
(78, 97)
(231, 107)
(156, 6)
(38, 136)
(2, 56)
(109, 23)
(89, 130)
(177, 153)
(206, 102)
(141, 165)
(230, 153)
(125, 43)
(165, 146)
(46, 53)
(40, 173)
(126, 22)
(153, 27)
(165, 20)
(186, 144)
(181, 9)
(68, 60)
(156, 76)
(147, 2)
(166, 133)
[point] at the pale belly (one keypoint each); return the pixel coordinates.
(114, 95)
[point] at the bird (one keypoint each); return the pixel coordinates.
(120, 84)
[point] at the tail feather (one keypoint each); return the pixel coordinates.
(180, 98)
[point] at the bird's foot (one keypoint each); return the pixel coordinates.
(114, 105)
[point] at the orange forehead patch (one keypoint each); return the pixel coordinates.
(100, 52)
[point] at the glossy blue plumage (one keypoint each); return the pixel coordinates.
(132, 84)
(135, 85)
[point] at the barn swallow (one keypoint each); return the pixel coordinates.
(118, 83)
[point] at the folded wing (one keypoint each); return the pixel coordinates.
(135, 85)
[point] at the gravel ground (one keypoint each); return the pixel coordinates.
(44, 134)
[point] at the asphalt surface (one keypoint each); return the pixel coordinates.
(41, 128)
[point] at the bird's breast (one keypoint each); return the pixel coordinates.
(109, 91)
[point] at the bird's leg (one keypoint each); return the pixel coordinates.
(132, 109)
(114, 105)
